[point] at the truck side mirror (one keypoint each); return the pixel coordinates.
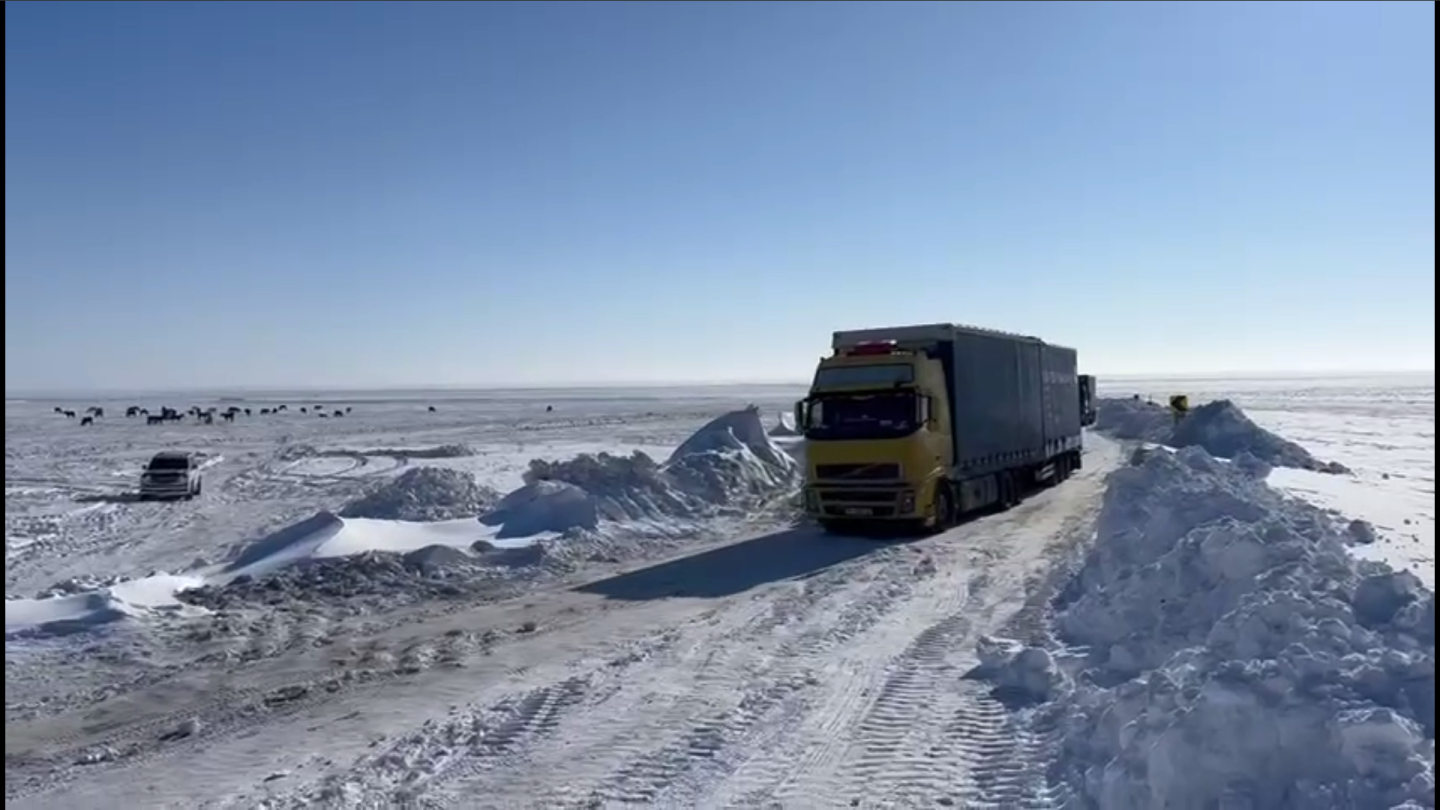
(800, 415)
(922, 409)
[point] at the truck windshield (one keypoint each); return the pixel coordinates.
(169, 463)
(867, 376)
(878, 416)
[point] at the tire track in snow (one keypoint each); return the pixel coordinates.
(220, 712)
(771, 686)
(474, 742)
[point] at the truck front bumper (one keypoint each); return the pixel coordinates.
(870, 502)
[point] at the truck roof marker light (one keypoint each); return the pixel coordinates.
(872, 348)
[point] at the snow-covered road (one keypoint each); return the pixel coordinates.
(791, 668)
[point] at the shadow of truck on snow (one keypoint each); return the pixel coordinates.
(789, 554)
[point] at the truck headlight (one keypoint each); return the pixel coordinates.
(907, 501)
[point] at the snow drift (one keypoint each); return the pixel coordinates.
(1235, 653)
(1220, 427)
(728, 466)
(424, 494)
(76, 606)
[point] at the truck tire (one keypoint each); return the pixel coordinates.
(1009, 490)
(944, 509)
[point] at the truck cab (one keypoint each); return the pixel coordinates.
(876, 423)
(1087, 400)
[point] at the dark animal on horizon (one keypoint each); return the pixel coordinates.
(69, 414)
(88, 420)
(133, 410)
(247, 411)
(228, 416)
(431, 409)
(59, 409)
(339, 412)
(303, 409)
(549, 408)
(322, 414)
(152, 419)
(347, 408)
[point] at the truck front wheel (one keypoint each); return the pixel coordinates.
(944, 508)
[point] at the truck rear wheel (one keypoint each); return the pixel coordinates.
(1009, 490)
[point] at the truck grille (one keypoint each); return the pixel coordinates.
(873, 511)
(857, 472)
(858, 496)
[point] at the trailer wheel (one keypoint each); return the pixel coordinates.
(1005, 487)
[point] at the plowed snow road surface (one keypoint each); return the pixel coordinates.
(790, 670)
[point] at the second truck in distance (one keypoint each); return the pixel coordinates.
(922, 424)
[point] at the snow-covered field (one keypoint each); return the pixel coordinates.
(330, 625)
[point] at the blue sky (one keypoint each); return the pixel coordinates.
(360, 194)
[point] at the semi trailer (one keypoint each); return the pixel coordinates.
(923, 424)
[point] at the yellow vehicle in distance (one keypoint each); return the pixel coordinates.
(922, 424)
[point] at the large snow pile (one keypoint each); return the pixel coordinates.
(730, 464)
(1220, 427)
(1237, 654)
(424, 494)
(543, 506)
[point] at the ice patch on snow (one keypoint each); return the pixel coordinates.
(1238, 655)
(1220, 427)
(424, 494)
(77, 606)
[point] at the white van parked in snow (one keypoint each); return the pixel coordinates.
(171, 474)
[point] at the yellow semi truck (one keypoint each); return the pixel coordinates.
(922, 424)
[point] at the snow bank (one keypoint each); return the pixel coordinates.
(1237, 654)
(785, 426)
(1220, 427)
(378, 553)
(424, 494)
(730, 464)
(76, 606)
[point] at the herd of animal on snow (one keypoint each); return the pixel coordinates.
(206, 416)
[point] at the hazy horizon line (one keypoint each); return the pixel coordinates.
(652, 384)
